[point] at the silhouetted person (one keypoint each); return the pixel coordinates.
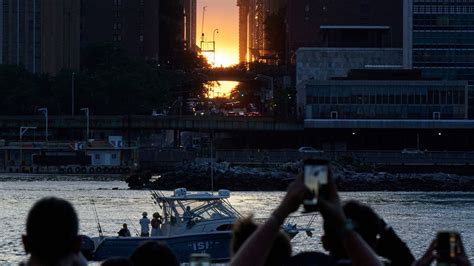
(431, 255)
(255, 250)
(145, 225)
(188, 214)
(52, 234)
(153, 253)
(281, 248)
(375, 232)
(124, 231)
(380, 236)
(155, 224)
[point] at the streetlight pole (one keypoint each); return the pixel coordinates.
(72, 93)
(44, 110)
(23, 131)
(86, 110)
(214, 43)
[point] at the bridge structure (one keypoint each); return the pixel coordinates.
(229, 74)
(148, 122)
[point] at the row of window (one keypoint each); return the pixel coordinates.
(446, 20)
(118, 37)
(444, 65)
(118, 26)
(443, 9)
(457, 56)
(119, 2)
(383, 112)
(450, 38)
(457, 74)
(97, 156)
(435, 47)
(446, 2)
(387, 96)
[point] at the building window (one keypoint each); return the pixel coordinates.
(141, 38)
(114, 156)
(436, 97)
(97, 156)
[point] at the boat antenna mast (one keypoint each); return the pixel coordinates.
(99, 228)
(212, 163)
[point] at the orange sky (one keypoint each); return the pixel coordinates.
(223, 15)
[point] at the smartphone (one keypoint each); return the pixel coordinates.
(316, 180)
(448, 245)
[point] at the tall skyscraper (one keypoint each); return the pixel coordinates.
(132, 25)
(1, 32)
(21, 34)
(41, 35)
(439, 38)
(60, 35)
(190, 7)
(252, 16)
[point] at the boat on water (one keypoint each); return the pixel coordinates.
(192, 223)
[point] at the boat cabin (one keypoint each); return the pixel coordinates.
(185, 212)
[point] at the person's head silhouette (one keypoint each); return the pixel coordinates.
(51, 231)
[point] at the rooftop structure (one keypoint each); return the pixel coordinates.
(344, 23)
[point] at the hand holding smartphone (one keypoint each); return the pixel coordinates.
(316, 180)
(448, 247)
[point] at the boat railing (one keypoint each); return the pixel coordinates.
(296, 219)
(302, 222)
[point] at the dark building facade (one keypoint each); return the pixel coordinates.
(21, 33)
(41, 35)
(387, 99)
(132, 25)
(389, 109)
(387, 94)
(60, 35)
(344, 23)
(441, 40)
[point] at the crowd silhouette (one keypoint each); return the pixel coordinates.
(354, 234)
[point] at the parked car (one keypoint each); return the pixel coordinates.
(412, 151)
(309, 149)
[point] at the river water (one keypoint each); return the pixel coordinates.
(415, 216)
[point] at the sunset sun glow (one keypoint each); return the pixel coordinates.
(221, 15)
